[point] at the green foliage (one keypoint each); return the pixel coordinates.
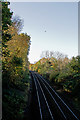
(63, 73)
(15, 77)
(6, 15)
(60, 71)
(17, 61)
(6, 21)
(53, 76)
(14, 103)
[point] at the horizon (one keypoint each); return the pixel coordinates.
(51, 26)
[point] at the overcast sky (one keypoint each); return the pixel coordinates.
(58, 19)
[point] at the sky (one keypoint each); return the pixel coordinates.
(44, 0)
(58, 19)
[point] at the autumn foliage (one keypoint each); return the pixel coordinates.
(15, 73)
(62, 72)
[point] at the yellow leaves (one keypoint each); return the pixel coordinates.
(18, 46)
(6, 3)
(21, 34)
(67, 90)
(38, 70)
(52, 67)
(4, 31)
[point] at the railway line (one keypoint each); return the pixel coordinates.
(51, 105)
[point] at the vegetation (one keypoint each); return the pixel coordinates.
(62, 72)
(58, 68)
(15, 75)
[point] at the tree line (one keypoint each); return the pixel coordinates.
(15, 73)
(60, 71)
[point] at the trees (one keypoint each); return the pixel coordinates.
(60, 69)
(6, 22)
(15, 75)
(17, 23)
(53, 54)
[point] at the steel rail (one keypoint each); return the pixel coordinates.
(45, 99)
(59, 98)
(38, 97)
(55, 101)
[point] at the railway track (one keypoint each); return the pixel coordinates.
(51, 105)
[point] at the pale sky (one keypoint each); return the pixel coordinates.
(43, 0)
(58, 19)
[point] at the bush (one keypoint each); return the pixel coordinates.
(53, 76)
